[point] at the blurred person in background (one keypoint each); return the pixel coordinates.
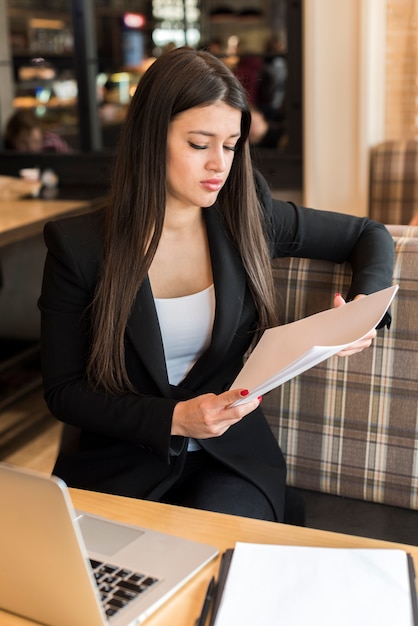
(24, 133)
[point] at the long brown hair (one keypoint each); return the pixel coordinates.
(177, 81)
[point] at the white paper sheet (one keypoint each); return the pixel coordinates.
(271, 585)
(286, 351)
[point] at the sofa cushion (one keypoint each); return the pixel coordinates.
(349, 426)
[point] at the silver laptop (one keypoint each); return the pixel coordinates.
(63, 567)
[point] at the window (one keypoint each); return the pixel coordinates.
(177, 22)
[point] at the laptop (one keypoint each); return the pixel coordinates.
(63, 567)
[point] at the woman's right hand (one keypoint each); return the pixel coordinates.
(210, 415)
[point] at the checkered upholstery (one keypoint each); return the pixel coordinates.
(394, 182)
(350, 425)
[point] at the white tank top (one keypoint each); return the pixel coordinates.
(186, 325)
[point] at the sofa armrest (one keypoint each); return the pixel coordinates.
(398, 230)
(349, 426)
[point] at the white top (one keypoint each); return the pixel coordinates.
(186, 325)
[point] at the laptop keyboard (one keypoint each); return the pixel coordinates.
(118, 587)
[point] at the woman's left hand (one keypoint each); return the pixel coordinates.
(360, 345)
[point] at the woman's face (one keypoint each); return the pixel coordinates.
(29, 140)
(200, 149)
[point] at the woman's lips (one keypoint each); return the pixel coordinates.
(213, 184)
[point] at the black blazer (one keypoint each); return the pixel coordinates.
(122, 444)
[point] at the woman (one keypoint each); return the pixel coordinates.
(149, 306)
(24, 133)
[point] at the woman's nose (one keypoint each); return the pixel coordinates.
(216, 161)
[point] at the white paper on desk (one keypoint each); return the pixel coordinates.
(284, 352)
(269, 585)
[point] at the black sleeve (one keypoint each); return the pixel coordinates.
(315, 234)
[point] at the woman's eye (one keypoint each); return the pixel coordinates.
(197, 146)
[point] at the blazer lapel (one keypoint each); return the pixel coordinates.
(144, 333)
(230, 287)
(229, 279)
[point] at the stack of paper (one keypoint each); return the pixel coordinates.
(268, 585)
(286, 351)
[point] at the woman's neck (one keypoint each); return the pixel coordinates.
(182, 264)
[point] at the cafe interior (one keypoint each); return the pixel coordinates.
(345, 115)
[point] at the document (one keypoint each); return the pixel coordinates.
(297, 585)
(286, 351)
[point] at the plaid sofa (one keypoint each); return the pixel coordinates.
(393, 197)
(350, 425)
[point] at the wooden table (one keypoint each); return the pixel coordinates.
(20, 219)
(216, 529)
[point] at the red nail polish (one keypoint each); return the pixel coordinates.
(244, 392)
(260, 398)
(338, 295)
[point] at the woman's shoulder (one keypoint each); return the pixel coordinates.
(88, 226)
(262, 188)
(92, 221)
(80, 235)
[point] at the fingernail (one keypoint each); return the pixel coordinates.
(244, 392)
(260, 398)
(338, 295)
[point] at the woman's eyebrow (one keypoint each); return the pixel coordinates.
(206, 133)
